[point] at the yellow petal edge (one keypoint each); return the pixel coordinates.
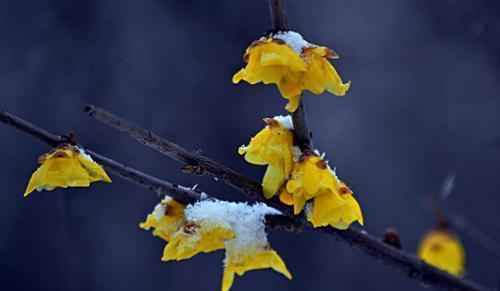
(66, 166)
(443, 250)
(273, 61)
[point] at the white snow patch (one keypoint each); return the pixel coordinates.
(293, 39)
(187, 188)
(247, 222)
(285, 120)
(334, 172)
(308, 209)
(84, 154)
(297, 153)
(322, 155)
(159, 210)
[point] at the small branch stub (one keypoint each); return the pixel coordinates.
(391, 237)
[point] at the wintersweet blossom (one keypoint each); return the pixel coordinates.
(257, 257)
(293, 64)
(65, 166)
(249, 249)
(333, 202)
(443, 250)
(166, 218)
(272, 146)
(185, 238)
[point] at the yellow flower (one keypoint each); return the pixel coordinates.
(241, 261)
(66, 166)
(333, 202)
(321, 75)
(272, 146)
(194, 238)
(294, 65)
(249, 249)
(311, 177)
(337, 209)
(166, 219)
(443, 250)
(185, 238)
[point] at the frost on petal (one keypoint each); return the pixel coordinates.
(443, 250)
(185, 238)
(249, 249)
(193, 238)
(293, 39)
(66, 166)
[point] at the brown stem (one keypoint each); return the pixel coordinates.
(370, 245)
(441, 221)
(278, 15)
(301, 134)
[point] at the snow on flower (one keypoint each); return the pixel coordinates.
(185, 238)
(293, 64)
(65, 166)
(249, 249)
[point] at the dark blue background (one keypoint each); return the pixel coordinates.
(424, 102)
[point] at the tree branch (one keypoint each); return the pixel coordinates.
(278, 15)
(193, 162)
(402, 261)
(301, 134)
(158, 186)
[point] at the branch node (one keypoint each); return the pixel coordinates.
(193, 169)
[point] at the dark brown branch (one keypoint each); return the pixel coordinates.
(278, 15)
(301, 133)
(407, 263)
(158, 186)
(193, 162)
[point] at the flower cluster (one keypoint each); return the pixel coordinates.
(65, 166)
(301, 178)
(293, 64)
(212, 225)
(442, 249)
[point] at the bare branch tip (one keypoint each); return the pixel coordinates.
(89, 109)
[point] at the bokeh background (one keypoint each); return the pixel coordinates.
(424, 103)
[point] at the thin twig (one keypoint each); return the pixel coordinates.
(463, 226)
(402, 261)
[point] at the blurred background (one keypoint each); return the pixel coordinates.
(424, 103)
